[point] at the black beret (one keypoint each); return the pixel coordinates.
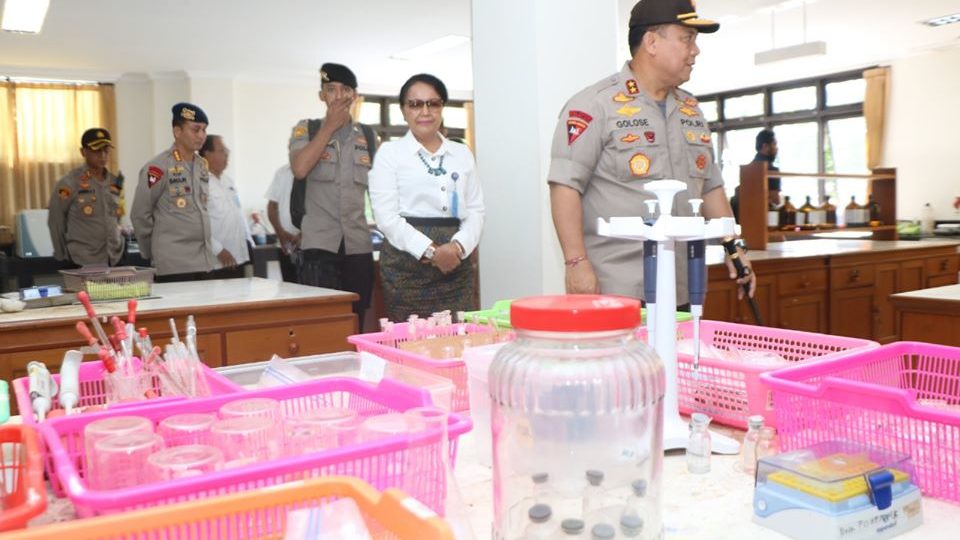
(337, 73)
(189, 111)
(96, 139)
(682, 12)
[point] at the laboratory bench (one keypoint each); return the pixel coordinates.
(930, 315)
(838, 287)
(238, 321)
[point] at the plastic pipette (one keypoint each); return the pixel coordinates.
(85, 332)
(70, 380)
(85, 300)
(175, 336)
(131, 327)
(125, 353)
(42, 389)
(650, 287)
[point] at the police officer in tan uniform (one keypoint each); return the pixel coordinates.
(85, 207)
(169, 211)
(334, 162)
(618, 134)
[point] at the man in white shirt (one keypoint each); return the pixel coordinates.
(229, 236)
(278, 212)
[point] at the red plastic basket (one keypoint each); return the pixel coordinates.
(731, 391)
(904, 397)
(93, 392)
(382, 462)
(385, 345)
(21, 476)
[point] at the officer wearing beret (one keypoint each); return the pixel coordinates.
(334, 161)
(170, 207)
(85, 207)
(618, 134)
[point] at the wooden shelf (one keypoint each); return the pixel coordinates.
(753, 204)
(832, 175)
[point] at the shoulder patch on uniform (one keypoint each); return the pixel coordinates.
(299, 131)
(577, 123)
(154, 174)
(64, 193)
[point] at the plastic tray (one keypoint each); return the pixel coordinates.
(731, 391)
(904, 397)
(256, 514)
(346, 364)
(382, 462)
(21, 476)
(385, 345)
(93, 392)
(116, 283)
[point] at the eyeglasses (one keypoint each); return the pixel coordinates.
(432, 104)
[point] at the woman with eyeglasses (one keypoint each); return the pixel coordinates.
(427, 202)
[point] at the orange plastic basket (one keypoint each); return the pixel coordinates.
(21, 476)
(256, 515)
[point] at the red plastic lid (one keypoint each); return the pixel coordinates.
(575, 313)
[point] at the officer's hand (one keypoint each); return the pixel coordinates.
(338, 113)
(581, 279)
(749, 277)
(446, 258)
(286, 241)
(226, 259)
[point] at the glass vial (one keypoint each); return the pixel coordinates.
(572, 527)
(749, 452)
(698, 447)
(767, 445)
(540, 526)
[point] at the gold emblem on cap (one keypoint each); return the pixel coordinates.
(181, 203)
(324, 76)
(100, 135)
(188, 114)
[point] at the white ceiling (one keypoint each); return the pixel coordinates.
(256, 39)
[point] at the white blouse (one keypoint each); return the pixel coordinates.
(228, 228)
(401, 186)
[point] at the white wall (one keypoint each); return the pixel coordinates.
(921, 133)
(134, 139)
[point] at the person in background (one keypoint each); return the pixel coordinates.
(288, 234)
(169, 211)
(334, 160)
(766, 145)
(230, 239)
(85, 207)
(428, 203)
(618, 134)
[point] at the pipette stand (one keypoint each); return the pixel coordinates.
(667, 230)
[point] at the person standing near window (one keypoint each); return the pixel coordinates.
(169, 211)
(230, 238)
(334, 160)
(428, 203)
(85, 210)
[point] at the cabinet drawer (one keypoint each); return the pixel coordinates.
(289, 340)
(801, 282)
(849, 277)
(939, 266)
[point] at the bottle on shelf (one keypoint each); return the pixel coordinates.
(749, 451)
(812, 216)
(830, 211)
(873, 208)
(699, 446)
(852, 214)
(788, 214)
(926, 219)
(773, 216)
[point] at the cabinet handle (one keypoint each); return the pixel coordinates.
(855, 275)
(943, 265)
(293, 348)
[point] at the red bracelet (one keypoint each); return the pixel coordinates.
(574, 261)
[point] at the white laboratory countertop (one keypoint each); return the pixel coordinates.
(230, 293)
(713, 506)
(826, 248)
(947, 293)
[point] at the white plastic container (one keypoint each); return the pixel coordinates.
(478, 360)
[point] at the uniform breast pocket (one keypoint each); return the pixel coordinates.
(113, 205)
(361, 167)
(326, 169)
(699, 154)
(639, 154)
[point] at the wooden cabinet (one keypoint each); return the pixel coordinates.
(930, 315)
(845, 295)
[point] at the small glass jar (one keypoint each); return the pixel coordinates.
(575, 392)
(748, 453)
(768, 445)
(699, 447)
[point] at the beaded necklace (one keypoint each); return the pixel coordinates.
(435, 171)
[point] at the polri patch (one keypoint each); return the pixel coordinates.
(154, 174)
(577, 123)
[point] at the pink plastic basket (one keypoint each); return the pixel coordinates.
(93, 392)
(384, 345)
(731, 391)
(873, 398)
(382, 463)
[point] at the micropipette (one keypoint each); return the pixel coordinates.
(650, 287)
(696, 284)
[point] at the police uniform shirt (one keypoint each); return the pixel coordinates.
(84, 218)
(228, 227)
(335, 192)
(610, 140)
(401, 186)
(170, 216)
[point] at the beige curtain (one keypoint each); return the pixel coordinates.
(40, 129)
(874, 112)
(471, 141)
